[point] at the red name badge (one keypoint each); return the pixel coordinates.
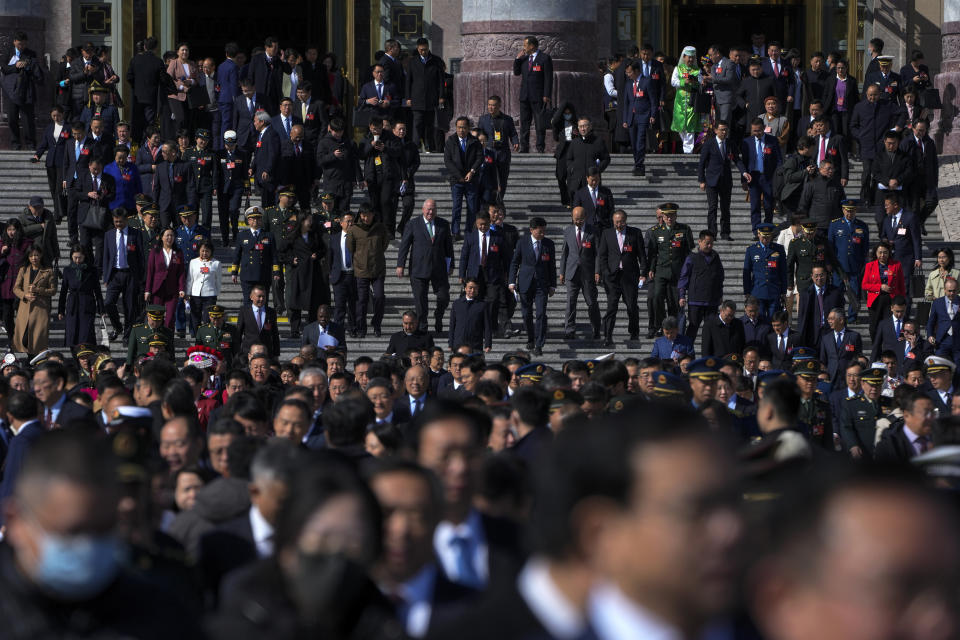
(772, 264)
(310, 116)
(127, 177)
(204, 269)
(259, 143)
(848, 347)
(537, 67)
(131, 246)
(64, 134)
(730, 157)
(767, 151)
(231, 165)
(627, 248)
(856, 240)
(495, 248)
(201, 161)
(832, 152)
(640, 93)
(587, 245)
(601, 202)
(224, 345)
(545, 257)
(266, 326)
(655, 76)
(840, 101)
(85, 152)
(911, 355)
(488, 159)
(783, 73)
(675, 244)
(178, 178)
(258, 246)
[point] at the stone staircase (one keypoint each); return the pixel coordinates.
(532, 192)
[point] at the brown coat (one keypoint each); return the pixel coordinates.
(31, 331)
(176, 71)
(368, 246)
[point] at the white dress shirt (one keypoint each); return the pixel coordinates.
(615, 617)
(262, 533)
(548, 604)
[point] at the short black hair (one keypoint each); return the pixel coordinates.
(346, 421)
(441, 409)
(532, 405)
(23, 406)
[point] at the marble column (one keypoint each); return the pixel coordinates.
(946, 122)
(493, 33)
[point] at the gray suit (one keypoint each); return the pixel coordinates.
(577, 266)
(725, 86)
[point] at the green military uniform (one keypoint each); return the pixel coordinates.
(667, 248)
(150, 235)
(225, 339)
(281, 222)
(860, 414)
(142, 334)
(815, 414)
(804, 254)
(83, 351)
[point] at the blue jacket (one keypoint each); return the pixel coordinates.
(644, 104)
(228, 77)
(772, 157)
(851, 244)
(939, 321)
(527, 272)
(20, 446)
(128, 186)
(664, 348)
(189, 239)
(765, 271)
(497, 257)
(905, 237)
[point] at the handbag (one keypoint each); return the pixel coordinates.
(97, 217)
(930, 98)
(197, 96)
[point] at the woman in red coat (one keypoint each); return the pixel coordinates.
(883, 281)
(166, 275)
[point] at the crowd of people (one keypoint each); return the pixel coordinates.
(782, 483)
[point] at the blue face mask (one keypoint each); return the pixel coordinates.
(568, 116)
(76, 567)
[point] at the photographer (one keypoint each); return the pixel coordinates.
(21, 75)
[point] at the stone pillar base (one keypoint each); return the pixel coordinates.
(945, 124)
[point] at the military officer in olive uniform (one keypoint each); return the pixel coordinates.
(668, 245)
(850, 239)
(814, 414)
(255, 259)
(205, 168)
(148, 223)
(860, 414)
(143, 202)
(83, 354)
(281, 221)
(765, 271)
(142, 334)
(806, 252)
(219, 334)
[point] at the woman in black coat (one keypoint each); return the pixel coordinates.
(306, 286)
(80, 299)
(564, 125)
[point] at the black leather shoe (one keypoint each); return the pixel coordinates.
(538, 351)
(726, 236)
(529, 346)
(376, 332)
(634, 336)
(596, 335)
(114, 335)
(570, 336)
(637, 172)
(607, 343)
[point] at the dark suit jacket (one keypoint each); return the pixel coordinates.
(782, 82)
(600, 216)
(894, 446)
(643, 104)
(390, 92)
(583, 153)
(311, 333)
(249, 333)
(71, 164)
(498, 257)
(424, 83)
(633, 258)
(808, 312)
(536, 78)
(527, 272)
(782, 361)
(400, 342)
(719, 340)
(934, 395)
(228, 77)
(224, 549)
(459, 163)
(470, 324)
(837, 152)
(84, 185)
(428, 260)
(70, 412)
(144, 75)
(20, 446)
(315, 124)
(755, 333)
(899, 168)
(54, 148)
(906, 246)
(939, 322)
(268, 80)
(925, 163)
(868, 124)
(103, 147)
(752, 93)
(393, 74)
(772, 158)
(20, 85)
(266, 157)
(713, 168)
(336, 258)
(243, 121)
(136, 256)
(835, 360)
(170, 195)
(294, 169)
(850, 100)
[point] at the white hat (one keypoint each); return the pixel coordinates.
(230, 135)
(937, 363)
(8, 360)
(253, 211)
(689, 50)
(37, 359)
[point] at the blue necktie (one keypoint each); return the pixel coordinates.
(466, 572)
(463, 145)
(347, 260)
(839, 342)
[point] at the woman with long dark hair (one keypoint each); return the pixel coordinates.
(306, 289)
(945, 268)
(13, 251)
(80, 299)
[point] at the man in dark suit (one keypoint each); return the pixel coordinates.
(890, 330)
(265, 164)
(50, 387)
(284, 122)
(621, 265)
(410, 336)
(815, 305)
(640, 111)
(577, 263)
(485, 257)
(926, 177)
(393, 69)
(312, 111)
(502, 140)
(234, 163)
(831, 146)
(782, 340)
(759, 158)
(900, 442)
(507, 302)
(780, 71)
(715, 175)
(297, 165)
(342, 280)
(470, 320)
(102, 142)
(378, 98)
(431, 262)
(871, 119)
(416, 385)
(124, 265)
(754, 90)
(424, 93)
(53, 142)
(22, 74)
(228, 78)
(173, 185)
(892, 170)
(266, 71)
(533, 276)
(380, 152)
(258, 323)
(93, 187)
(244, 107)
(902, 229)
(585, 152)
(76, 157)
(535, 69)
(839, 347)
(723, 332)
(596, 201)
(338, 163)
(462, 155)
(323, 333)
(940, 323)
(144, 74)
(23, 411)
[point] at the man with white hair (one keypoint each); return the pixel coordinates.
(265, 165)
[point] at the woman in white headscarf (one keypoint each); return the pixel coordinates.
(686, 120)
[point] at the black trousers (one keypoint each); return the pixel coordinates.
(73, 228)
(491, 294)
(228, 208)
(840, 124)
(506, 307)
(584, 283)
(441, 291)
(719, 195)
(532, 110)
(363, 296)
(866, 186)
(206, 209)
(126, 289)
(536, 327)
(407, 201)
(92, 240)
(144, 115)
(383, 199)
(879, 310)
(345, 301)
(198, 310)
(424, 128)
(55, 184)
(14, 111)
(696, 314)
(619, 287)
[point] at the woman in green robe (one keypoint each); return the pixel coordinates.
(686, 120)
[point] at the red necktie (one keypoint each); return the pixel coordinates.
(483, 252)
(579, 240)
(530, 63)
(823, 148)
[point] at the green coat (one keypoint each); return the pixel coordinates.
(685, 116)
